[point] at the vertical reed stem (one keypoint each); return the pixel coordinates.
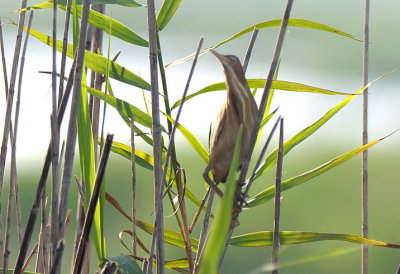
(133, 161)
(365, 141)
(278, 181)
(157, 149)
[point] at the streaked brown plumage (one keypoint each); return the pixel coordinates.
(240, 107)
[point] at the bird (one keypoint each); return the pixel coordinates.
(239, 108)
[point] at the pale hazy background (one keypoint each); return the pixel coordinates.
(330, 203)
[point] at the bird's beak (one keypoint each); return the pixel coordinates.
(224, 60)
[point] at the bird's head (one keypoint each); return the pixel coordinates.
(228, 60)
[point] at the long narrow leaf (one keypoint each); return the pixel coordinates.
(260, 83)
(268, 194)
(170, 236)
(143, 159)
(49, 4)
(147, 162)
(167, 11)
(293, 22)
(305, 133)
(264, 238)
(117, 29)
(124, 107)
(217, 236)
(98, 63)
(198, 147)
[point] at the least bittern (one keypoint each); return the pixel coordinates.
(239, 108)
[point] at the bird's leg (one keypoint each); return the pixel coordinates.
(210, 182)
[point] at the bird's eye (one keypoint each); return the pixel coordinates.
(233, 60)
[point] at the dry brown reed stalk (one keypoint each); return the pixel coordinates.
(72, 127)
(171, 153)
(250, 49)
(41, 261)
(43, 177)
(84, 240)
(33, 252)
(158, 234)
(64, 50)
(55, 137)
(57, 258)
(203, 233)
(13, 175)
(80, 217)
(133, 166)
(7, 119)
(278, 182)
(96, 81)
(14, 138)
(181, 182)
(364, 227)
(3, 58)
(196, 216)
(264, 99)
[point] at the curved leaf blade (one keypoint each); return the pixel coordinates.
(49, 4)
(167, 11)
(268, 194)
(264, 238)
(112, 27)
(260, 83)
(124, 108)
(216, 238)
(305, 133)
(147, 161)
(98, 63)
(170, 236)
(198, 147)
(143, 159)
(293, 22)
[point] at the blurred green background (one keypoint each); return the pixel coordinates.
(328, 203)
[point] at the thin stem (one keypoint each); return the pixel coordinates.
(365, 141)
(43, 177)
(97, 44)
(7, 119)
(196, 216)
(250, 49)
(133, 162)
(72, 127)
(157, 147)
(203, 233)
(55, 135)
(264, 99)
(92, 205)
(260, 158)
(278, 182)
(3, 58)
(64, 49)
(185, 227)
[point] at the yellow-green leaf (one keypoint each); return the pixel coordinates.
(97, 63)
(112, 26)
(167, 11)
(198, 147)
(264, 238)
(260, 83)
(217, 236)
(293, 22)
(268, 194)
